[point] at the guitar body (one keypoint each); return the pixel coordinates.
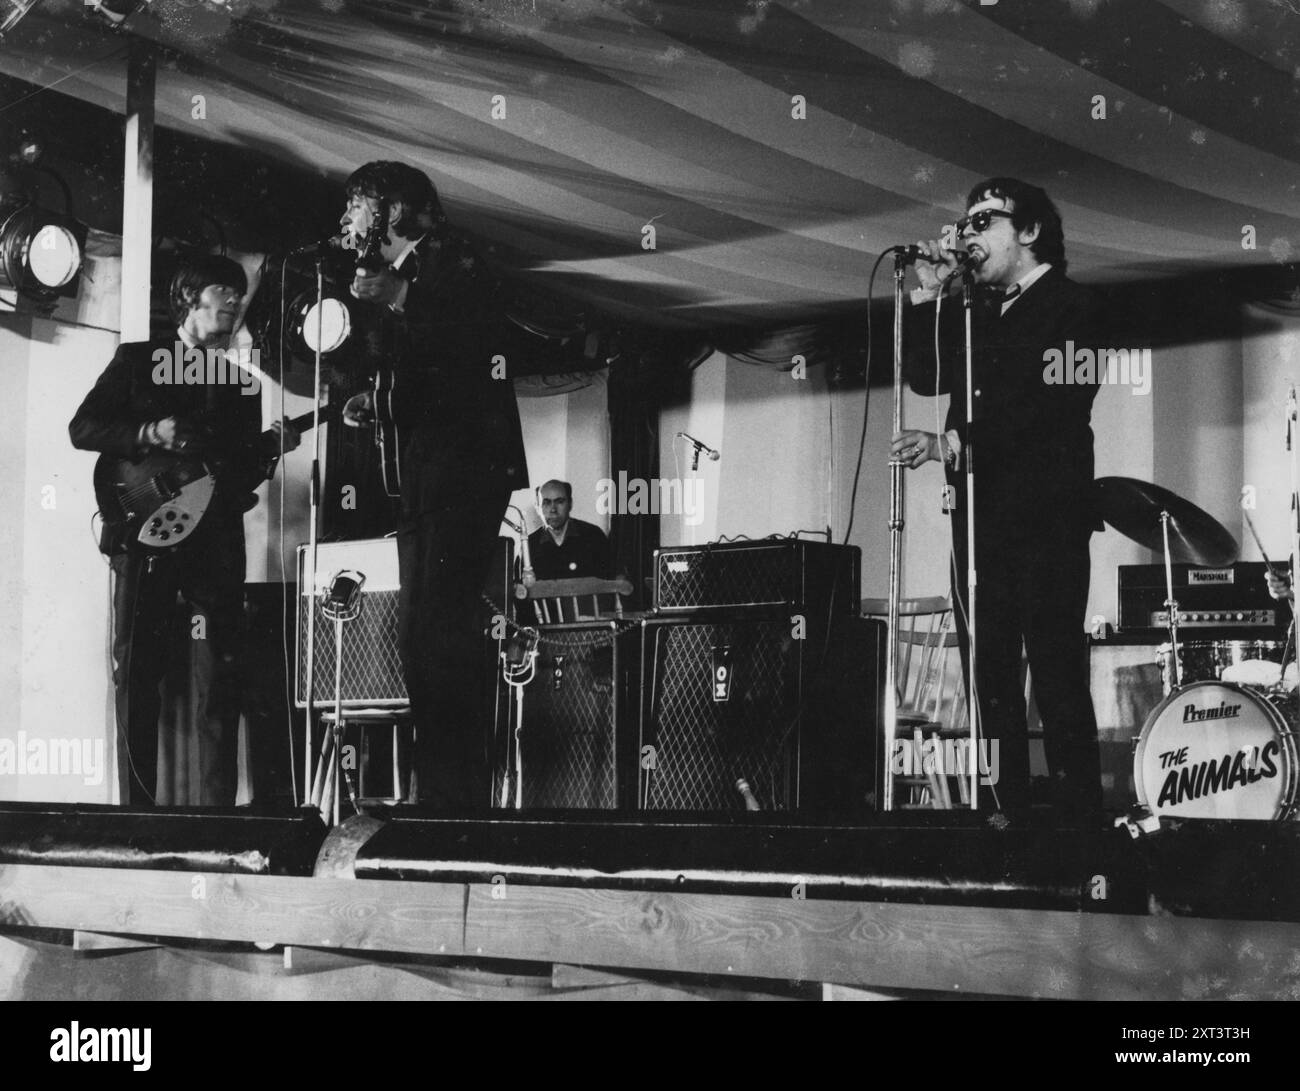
(162, 497)
(387, 440)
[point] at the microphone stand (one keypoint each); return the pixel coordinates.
(1291, 446)
(967, 293)
(895, 544)
(309, 576)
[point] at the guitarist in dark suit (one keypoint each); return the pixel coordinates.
(140, 406)
(446, 405)
(1032, 444)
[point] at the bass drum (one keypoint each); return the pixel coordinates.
(1217, 750)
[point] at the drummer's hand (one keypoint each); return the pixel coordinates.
(911, 448)
(1279, 587)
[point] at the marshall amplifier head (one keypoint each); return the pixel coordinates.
(786, 573)
(1233, 597)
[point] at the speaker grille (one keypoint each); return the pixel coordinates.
(573, 710)
(372, 671)
(702, 746)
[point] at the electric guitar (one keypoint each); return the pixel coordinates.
(163, 496)
(369, 258)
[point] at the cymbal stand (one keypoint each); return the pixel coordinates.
(1171, 604)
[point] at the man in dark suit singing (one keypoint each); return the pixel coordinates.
(435, 326)
(1031, 449)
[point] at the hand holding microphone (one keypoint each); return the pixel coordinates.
(935, 264)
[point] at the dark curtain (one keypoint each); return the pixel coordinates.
(634, 449)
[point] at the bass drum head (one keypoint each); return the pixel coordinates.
(1216, 750)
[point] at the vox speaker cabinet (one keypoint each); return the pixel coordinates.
(740, 697)
(790, 574)
(577, 735)
(371, 667)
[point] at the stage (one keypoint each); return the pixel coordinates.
(107, 903)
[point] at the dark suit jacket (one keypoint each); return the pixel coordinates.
(459, 422)
(585, 548)
(1032, 439)
(128, 395)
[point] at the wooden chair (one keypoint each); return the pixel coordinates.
(582, 599)
(931, 695)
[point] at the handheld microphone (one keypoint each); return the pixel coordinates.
(912, 254)
(321, 246)
(713, 455)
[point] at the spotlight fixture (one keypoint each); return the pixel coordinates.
(11, 11)
(309, 321)
(115, 12)
(28, 149)
(40, 253)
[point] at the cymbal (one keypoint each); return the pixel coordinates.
(1133, 508)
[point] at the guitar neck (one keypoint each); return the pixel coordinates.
(303, 421)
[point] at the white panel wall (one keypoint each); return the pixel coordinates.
(55, 627)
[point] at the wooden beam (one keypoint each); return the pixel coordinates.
(137, 193)
(949, 949)
(351, 915)
(872, 945)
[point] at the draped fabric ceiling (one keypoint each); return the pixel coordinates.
(773, 148)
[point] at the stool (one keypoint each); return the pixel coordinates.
(363, 718)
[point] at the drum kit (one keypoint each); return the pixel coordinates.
(1222, 743)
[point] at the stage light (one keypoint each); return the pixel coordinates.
(11, 11)
(40, 253)
(330, 317)
(28, 149)
(115, 12)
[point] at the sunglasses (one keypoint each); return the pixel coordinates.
(980, 220)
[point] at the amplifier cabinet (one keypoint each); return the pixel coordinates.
(575, 739)
(371, 667)
(816, 577)
(735, 698)
(1232, 601)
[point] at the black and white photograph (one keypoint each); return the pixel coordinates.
(590, 500)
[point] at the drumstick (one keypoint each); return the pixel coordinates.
(1255, 534)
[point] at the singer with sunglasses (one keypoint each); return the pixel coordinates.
(1031, 449)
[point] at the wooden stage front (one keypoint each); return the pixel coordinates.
(102, 903)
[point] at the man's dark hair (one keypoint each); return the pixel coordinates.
(388, 180)
(568, 489)
(196, 273)
(1029, 205)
